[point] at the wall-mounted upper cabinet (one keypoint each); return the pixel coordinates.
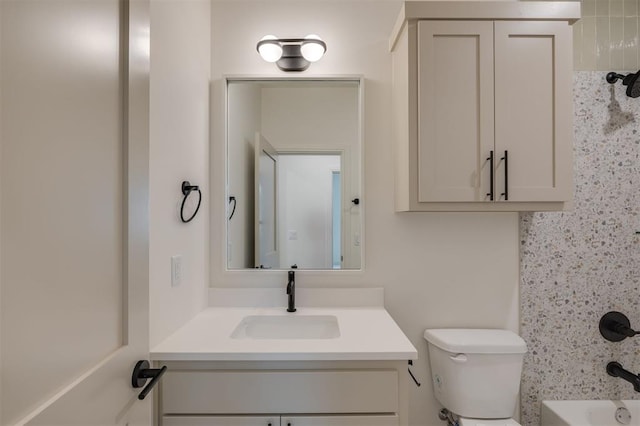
(483, 106)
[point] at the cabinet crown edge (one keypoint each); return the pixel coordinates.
(494, 10)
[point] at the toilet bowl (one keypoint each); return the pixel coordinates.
(476, 373)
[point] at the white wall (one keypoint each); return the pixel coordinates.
(438, 270)
(179, 132)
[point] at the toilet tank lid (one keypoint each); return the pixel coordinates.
(476, 340)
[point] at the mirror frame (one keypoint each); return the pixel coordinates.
(255, 273)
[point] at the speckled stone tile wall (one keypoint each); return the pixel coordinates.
(578, 265)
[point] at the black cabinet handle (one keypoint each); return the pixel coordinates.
(142, 372)
(412, 376)
(490, 160)
(506, 176)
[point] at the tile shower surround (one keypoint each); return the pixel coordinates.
(606, 38)
(578, 265)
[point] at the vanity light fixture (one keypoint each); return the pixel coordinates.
(292, 54)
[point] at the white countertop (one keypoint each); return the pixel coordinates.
(366, 333)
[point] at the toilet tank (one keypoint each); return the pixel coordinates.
(476, 372)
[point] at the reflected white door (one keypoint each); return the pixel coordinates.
(74, 210)
(266, 198)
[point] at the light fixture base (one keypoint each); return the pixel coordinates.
(292, 59)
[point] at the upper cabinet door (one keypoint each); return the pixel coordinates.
(455, 110)
(455, 104)
(533, 110)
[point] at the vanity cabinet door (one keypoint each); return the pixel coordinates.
(378, 420)
(221, 421)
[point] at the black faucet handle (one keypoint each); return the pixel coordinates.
(615, 327)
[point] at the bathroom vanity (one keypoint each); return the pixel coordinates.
(331, 366)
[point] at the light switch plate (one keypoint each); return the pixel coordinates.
(176, 271)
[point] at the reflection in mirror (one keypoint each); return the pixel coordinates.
(293, 173)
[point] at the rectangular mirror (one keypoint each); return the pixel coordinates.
(294, 178)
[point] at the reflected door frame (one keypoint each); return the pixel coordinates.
(266, 211)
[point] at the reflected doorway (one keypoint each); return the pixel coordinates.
(310, 210)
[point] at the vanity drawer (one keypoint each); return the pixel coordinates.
(221, 420)
(310, 420)
(278, 391)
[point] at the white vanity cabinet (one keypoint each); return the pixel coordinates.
(377, 420)
(221, 421)
(483, 117)
(341, 393)
(217, 377)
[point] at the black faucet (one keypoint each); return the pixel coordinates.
(616, 370)
(291, 291)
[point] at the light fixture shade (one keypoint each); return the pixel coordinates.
(270, 51)
(313, 48)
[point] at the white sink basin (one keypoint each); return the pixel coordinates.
(287, 327)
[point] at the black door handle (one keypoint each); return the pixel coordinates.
(490, 160)
(142, 372)
(506, 176)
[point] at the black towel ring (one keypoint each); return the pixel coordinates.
(232, 199)
(186, 190)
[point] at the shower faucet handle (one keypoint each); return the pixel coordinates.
(632, 81)
(615, 327)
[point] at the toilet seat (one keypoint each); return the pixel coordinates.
(465, 421)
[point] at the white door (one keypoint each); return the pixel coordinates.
(533, 69)
(74, 210)
(266, 201)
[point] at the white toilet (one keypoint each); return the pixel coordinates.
(476, 373)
